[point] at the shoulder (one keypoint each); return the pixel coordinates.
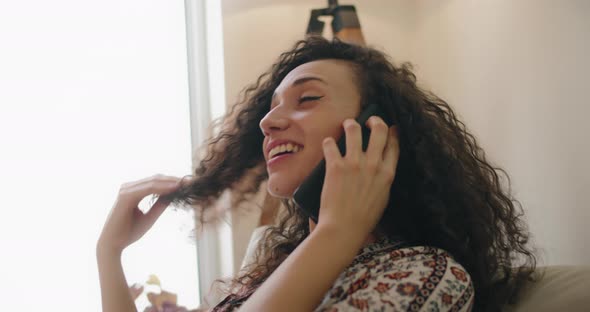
(416, 278)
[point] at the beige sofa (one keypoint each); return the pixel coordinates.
(561, 288)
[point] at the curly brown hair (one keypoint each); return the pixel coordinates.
(446, 194)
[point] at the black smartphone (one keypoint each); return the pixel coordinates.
(308, 194)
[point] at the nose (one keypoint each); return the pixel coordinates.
(273, 121)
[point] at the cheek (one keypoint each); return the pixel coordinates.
(316, 150)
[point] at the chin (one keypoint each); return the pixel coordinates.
(280, 189)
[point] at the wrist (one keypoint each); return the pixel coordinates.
(352, 238)
(347, 229)
(104, 252)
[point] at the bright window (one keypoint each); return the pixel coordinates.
(92, 94)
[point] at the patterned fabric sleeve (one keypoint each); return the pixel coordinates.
(407, 279)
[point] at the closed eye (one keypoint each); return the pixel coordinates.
(309, 98)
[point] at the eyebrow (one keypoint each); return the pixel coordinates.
(301, 81)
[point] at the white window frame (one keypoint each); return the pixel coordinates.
(207, 101)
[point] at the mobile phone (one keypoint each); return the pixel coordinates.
(307, 196)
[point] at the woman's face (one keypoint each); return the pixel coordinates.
(309, 105)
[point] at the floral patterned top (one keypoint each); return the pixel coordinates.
(386, 275)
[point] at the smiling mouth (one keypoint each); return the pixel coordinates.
(284, 150)
(281, 155)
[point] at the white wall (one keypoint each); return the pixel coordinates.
(516, 71)
(513, 70)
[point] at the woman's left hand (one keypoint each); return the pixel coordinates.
(357, 186)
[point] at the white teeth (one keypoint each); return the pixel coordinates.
(284, 148)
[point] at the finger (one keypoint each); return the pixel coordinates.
(154, 213)
(331, 151)
(187, 179)
(159, 177)
(157, 187)
(392, 150)
(377, 140)
(353, 133)
(136, 290)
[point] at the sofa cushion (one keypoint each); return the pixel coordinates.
(561, 288)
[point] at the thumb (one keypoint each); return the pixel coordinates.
(154, 213)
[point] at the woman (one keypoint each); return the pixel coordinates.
(420, 221)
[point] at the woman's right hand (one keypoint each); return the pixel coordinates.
(126, 223)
